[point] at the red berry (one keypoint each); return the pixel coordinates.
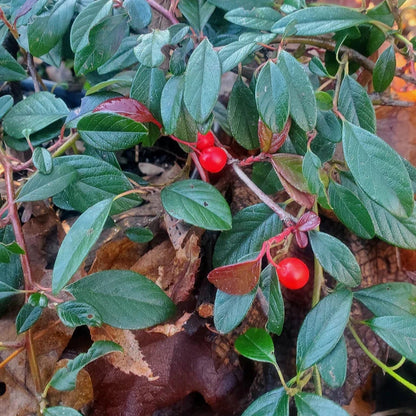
(205, 140)
(213, 159)
(293, 273)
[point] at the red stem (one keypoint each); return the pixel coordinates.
(165, 13)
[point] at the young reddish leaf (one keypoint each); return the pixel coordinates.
(265, 136)
(271, 142)
(301, 238)
(308, 221)
(303, 198)
(236, 279)
(26, 7)
(128, 107)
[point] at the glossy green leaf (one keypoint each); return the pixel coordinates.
(336, 258)
(40, 186)
(399, 332)
(302, 103)
(124, 299)
(61, 411)
(333, 367)
(6, 290)
(73, 314)
(45, 31)
(308, 404)
(10, 69)
(328, 128)
(148, 50)
(202, 81)
(36, 112)
(78, 242)
(272, 97)
(274, 402)
(178, 32)
(384, 70)
(235, 52)
(317, 67)
(42, 160)
(118, 82)
(395, 298)
(197, 12)
(323, 100)
(186, 127)
(86, 20)
(140, 13)
(355, 105)
(256, 344)
(139, 234)
(265, 177)
(110, 131)
(171, 102)
(320, 20)
(243, 116)
(250, 228)
(260, 18)
(38, 299)
(323, 328)
(350, 210)
(197, 203)
(27, 317)
(246, 4)
(6, 103)
(378, 170)
(66, 377)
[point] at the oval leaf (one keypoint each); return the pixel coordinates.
(309, 404)
(27, 317)
(148, 51)
(384, 70)
(171, 103)
(73, 314)
(124, 299)
(60, 411)
(42, 160)
(261, 18)
(6, 103)
(10, 69)
(333, 367)
(139, 234)
(274, 402)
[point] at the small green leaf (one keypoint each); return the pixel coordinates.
(384, 69)
(42, 160)
(78, 242)
(148, 51)
(274, 402)
(197, 12)
(333, 367)
(399, 332)
(171, 102)
(123, 299)
(61, 411)
(378, 170)
(261, 18)
(317, 67)
(202, 81)
(336, 258)
(350, 210)
(73, 314)
(197, 203)
(322, 328)
(272, 97)
(140, 13)
(27, 317)
(309, 404)
(139, 234)
(395, 298)
(38, 299)
(6, 103)
(323, 100)
(65, 378)
(10, 69)
(41, 186)
(256, 344)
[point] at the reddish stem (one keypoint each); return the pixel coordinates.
(198, 166)
(165, 13)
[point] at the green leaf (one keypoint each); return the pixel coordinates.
(243, 116)
(36, 112)
(97, 180)
(317, 67)
(336, 258)
(41, 186)
(378, 170)
(119, 81)
(302, 103)
(73, 314)
(235, 52)
(309, 404)
(250, 228)
(140, 13)
(261, 18)
(6, 103)
(395, 298)
(139, 234)
(384, 69)
(399, 332)
(323, 100)
(320, 20)
(47, 30)
(61, 411)
(197, 203)
(147, 88)
(65, 378)
(246, 4)
(86, 20)
(10, 69)
(110, 131)
(256, 344)
(148, 51)
(78, 242)
(274, 402)
(6, 290)
(265, 177)
(328, 128)
(197, 13)
(272, 97)
(178, 32)
(355, 105)
(124, 299)
(323, 328)
(350, 210)
(27, 317)
(38, 299)
(333, 367)
(42, 160)
(186, 127)
(103, 41)
(171, 103)
(202, 81)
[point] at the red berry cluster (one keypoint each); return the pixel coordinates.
(212, 158)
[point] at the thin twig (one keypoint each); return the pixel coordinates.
(32, 71)
(165, 13)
